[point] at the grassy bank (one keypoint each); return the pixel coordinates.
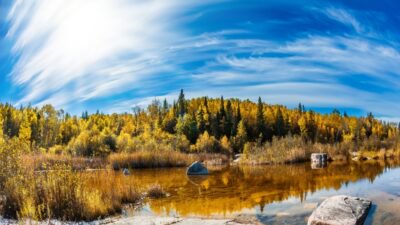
(149, 159)
(45, 161)
(161, 159)
(295, 149)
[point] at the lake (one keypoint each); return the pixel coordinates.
(281, 194)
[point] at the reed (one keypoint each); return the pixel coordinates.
(295, 149)
(65, 194)
(150, 159)
(45, 161)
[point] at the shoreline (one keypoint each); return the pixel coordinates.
(143, 220)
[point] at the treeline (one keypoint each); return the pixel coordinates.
(195, 125)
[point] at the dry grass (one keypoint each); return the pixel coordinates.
(156, 191)
(45, 161)
(150, 159)
(160, 159)
(66, 195)
(294, 149)
(284, 150)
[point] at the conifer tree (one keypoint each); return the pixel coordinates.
(279, 124)
(260, 121)
(181, 104)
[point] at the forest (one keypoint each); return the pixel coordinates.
(199, 125)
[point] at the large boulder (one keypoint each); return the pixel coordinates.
(197, 168)
(341, 210)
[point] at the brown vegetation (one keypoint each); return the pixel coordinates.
(156, 191)
(295, 149)
(160, 159)
(66, 195)
(59, 192)
(148, 159)
(46, 161)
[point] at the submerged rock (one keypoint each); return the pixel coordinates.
(341, 210)
(197, 168)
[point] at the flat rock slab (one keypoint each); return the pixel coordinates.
(341, 210)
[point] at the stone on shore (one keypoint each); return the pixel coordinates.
(341, 210)
(197, 168)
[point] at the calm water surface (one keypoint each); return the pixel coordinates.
(285, 194)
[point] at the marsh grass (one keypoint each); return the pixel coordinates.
(66, 195)
(287, 150)
(161, 159)
(45, 161)
(156, 191)
(150, 159)
(295, 149)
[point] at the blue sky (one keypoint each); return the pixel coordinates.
(114, 54)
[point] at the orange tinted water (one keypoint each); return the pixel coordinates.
(283, 194)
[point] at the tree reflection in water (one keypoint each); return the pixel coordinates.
(245, 189)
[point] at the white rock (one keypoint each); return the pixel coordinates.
(341, 210)
(319, 157)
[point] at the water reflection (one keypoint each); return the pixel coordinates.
(235, 189)
(318, 165)
(268, 192)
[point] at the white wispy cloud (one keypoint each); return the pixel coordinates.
(345, 17)
(90, 48)
(310, 70)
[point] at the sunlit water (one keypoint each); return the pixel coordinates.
(285, 194)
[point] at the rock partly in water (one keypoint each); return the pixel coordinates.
(319, 157)
(341, 210)
(197, 168)
(126, 172)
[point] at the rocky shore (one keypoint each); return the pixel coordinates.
(336, 210)
(140, 220)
